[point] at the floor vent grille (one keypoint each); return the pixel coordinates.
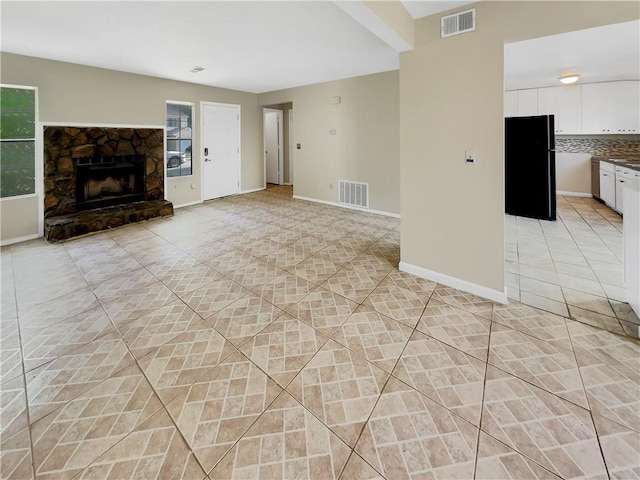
(457, 23)
(354, 194)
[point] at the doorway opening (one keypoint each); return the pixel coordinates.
(278, 147)
(572, 267)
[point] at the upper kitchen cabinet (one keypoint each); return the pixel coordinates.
(566, 104)
(521, 103)
(511, 103)
(611, 107)
(605, 108)
(528, 102)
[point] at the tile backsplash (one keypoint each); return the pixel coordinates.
(627, 146)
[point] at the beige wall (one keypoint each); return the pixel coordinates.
(79, 94)
(573, 172)
(19, 217)
(365, 147)
(451, 99)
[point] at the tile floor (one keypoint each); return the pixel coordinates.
(573, 266)
(260, 336)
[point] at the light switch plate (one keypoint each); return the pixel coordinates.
(470, 157)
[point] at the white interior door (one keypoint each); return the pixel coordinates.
(290, 147)
(220, 150)
(273, 168)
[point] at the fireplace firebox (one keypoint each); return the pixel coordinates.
(108, 181)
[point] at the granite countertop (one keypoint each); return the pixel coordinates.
(629, 162)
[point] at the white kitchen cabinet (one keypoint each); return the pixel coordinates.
(619, 198)
(565, 103)
(608, 184)
(569, 116)
(591, 108)
(628, 116)
(623, 176)
(528, 102)
(511, 103)
(521, 103)
(611, 107)
(631, 239)
(548, 101)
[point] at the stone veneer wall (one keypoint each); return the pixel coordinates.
(62, 145)
(627, 146)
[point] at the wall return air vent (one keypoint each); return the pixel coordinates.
(461, 22)
(354, 194)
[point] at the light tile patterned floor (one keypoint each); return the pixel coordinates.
(573, 266)
(259, 336)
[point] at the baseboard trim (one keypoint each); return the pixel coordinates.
(197, 202)
(491, 294)
(336, 204)
(252, 190)
(188, 204)
(25, 238)
(573, 194)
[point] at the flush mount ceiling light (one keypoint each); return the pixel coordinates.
(196, 69)
(569, 78)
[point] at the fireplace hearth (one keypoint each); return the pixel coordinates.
(98, 178)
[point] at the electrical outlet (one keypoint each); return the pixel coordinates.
(470, 157)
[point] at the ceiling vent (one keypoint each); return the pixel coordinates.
(457, 23)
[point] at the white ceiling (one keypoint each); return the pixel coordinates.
(254, 46)
(601, 54)
(419, 9)
(249, 46)
(262, 46)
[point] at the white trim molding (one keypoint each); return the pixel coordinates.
(46, 123)
(489, 293)
(11, 241)
(265, 111)
(573, 194)
(188, 204)
(252, 190)
(348, 207)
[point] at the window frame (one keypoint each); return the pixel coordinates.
(192, 105)
(37, 153)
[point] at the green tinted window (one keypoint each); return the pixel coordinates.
(17, 165)
(17, 113)
(17, 141)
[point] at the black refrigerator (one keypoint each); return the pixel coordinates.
(530, 167)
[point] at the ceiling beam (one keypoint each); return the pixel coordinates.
(389, 21)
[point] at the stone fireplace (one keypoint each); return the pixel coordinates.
(96, 178)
